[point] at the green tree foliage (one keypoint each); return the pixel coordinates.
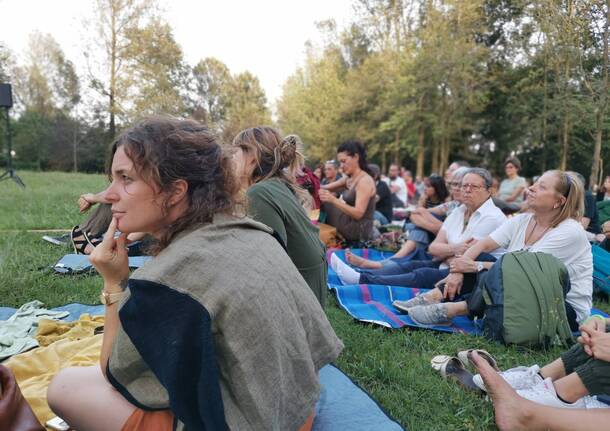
(246, 105)
(115, 21)
(423, 82)
(312, 100)
(157, 74)
(212, 80)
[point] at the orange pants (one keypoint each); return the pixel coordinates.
(163, 420)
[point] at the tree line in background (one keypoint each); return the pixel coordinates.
(135, 68)
(420, 82)
(423, 82)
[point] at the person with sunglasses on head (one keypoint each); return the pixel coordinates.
(331, 173)
(472, 221)
(552, 226)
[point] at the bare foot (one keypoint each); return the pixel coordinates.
(512, 411)
(361, 262)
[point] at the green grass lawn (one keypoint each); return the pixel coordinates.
(393, 365)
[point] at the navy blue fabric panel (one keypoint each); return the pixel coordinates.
(172, 333)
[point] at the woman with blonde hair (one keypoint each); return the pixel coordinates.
(265, 164)
(552, 226)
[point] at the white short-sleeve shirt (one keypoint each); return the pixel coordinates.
(486, 219)
(568, 243)
(402, 188)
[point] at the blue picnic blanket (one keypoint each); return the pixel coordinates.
(78, 263)
(74, 309)
(372, 303)
(367, 253)
(343, 405)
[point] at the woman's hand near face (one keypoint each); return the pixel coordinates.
(110, 259)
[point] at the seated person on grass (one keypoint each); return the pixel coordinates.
(86, 236)
(353, 212)
(510, 193)
(474, 220)
(214, 330)
(554, 400)
(383, 198)
(264, 162)
(579, 372)
(552, 226)
(435, 192)
(424, 225)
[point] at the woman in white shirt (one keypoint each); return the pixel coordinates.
(556, 203)
(474, 220)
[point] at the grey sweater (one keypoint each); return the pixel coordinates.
(222, 329)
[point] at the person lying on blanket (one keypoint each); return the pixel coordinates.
(556, 396)
(472, 221)
(552, 226)
(425, 223)
(219, 330)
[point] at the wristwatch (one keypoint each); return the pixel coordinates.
(480, 266)
(110, 298)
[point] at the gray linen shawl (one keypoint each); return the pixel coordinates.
(268, 334)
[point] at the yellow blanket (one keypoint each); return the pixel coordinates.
(50, 331)
(35, 369)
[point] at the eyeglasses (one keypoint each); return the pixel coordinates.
(473, 187)
(455, 184)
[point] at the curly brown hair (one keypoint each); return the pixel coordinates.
(164, 150)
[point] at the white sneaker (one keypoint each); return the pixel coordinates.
(346, 273)
(544, 393)
(593, 403)
(518, 378)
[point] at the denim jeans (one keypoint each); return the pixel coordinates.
(419, 274)
(383, 220)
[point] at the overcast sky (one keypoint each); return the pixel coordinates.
(266, 37)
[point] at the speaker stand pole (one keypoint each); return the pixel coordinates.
(10, 172)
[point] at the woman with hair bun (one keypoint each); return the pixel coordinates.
(353, 212)
(218, 331)
(265, 164)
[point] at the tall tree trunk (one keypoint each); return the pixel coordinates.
(544, 113)
(397, 158)
(113, 72)
(599, 116)
(384, 161)
(435, 154)
(444, 155)
(566, 122)
(421, 150)
(75, 147)
(565, 135)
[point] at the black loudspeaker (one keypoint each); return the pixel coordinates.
(6, 96)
